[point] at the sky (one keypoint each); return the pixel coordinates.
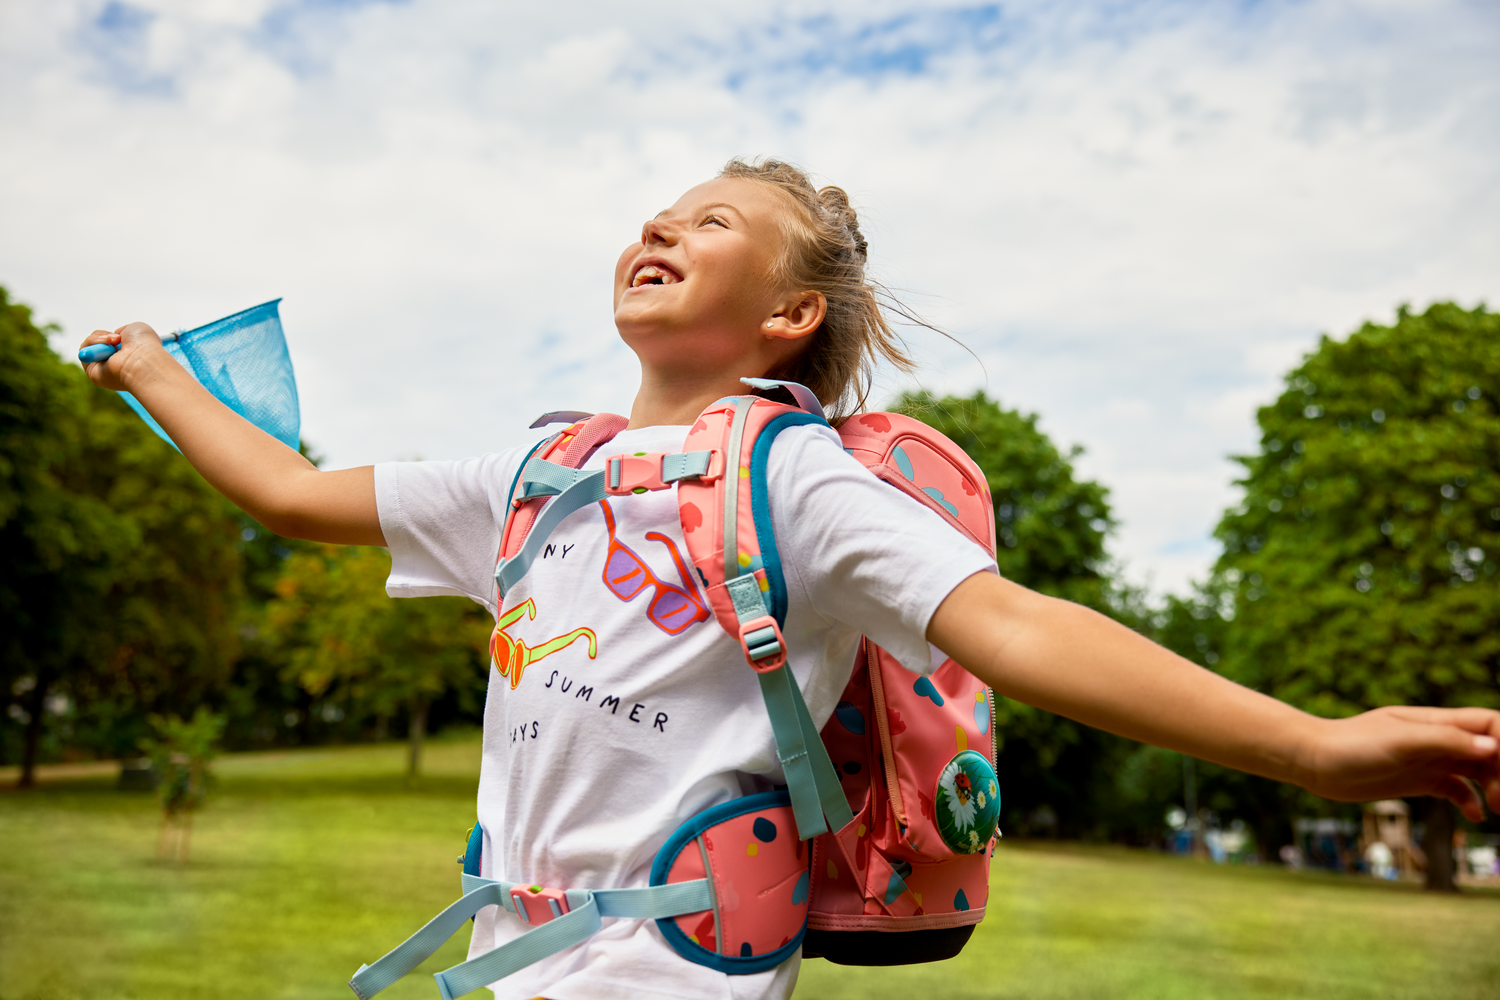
(1136, 216)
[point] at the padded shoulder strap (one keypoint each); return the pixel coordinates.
(570, 448)
(730, 537)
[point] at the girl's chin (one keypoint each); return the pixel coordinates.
(643, 319)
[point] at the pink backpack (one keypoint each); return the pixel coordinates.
(897, 795)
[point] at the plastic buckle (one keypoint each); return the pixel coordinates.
(626, 474)
(765, 649)
(538, 905)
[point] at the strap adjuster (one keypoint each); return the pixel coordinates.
(538, 905)
(764, 647)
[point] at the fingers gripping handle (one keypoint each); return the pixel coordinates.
(97, 352)
(103, 352)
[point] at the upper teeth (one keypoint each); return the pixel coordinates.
(652, 273)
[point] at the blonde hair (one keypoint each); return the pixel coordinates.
(825, 252)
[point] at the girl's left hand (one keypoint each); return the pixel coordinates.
(1403, 751)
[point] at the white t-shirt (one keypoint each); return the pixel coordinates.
(590, 763)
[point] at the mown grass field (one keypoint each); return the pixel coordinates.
(306, 864)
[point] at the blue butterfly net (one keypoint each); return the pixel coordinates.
(241, 359)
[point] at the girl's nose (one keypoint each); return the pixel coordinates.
(655, 231)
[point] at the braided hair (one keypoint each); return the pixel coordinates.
(826, 252)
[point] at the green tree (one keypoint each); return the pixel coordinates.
(340, 630)
(121, 572)
(1362, 558)
(1050, 528)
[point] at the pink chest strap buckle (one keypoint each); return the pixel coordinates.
(657, 470)
(537, 905)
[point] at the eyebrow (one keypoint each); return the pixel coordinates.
(712, 204)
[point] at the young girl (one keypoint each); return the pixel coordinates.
(611, 720)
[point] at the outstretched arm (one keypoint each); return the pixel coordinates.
(266, 479)
(1064, 658)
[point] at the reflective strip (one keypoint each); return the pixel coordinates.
(588, 489)
(742, 408)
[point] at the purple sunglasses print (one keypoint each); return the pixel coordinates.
(626, 574)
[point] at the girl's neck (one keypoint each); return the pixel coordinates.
(675, 399)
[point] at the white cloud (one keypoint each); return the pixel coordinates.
(1138, 216)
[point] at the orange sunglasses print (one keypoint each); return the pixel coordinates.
(512, 656)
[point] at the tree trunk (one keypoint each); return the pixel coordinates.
(34, 729)
(1437, 844)
(415, 733)
(184, 836)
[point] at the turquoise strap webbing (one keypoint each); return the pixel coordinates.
(575, 490)
(371, 979)
(684, 465)
(586, 490)
(811, 779)
(546, 479)
(831, 797)
(586, 909)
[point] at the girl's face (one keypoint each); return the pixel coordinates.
(698, 280)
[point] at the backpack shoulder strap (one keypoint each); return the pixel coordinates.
(570, 447)
(727, 525)
(527, 527)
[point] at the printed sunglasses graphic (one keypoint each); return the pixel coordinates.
(626, 574)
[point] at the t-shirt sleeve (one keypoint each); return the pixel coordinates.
(442, 522)
(862, 552)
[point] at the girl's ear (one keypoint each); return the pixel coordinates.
(797, 316)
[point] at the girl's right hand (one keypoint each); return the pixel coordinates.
(137, 342)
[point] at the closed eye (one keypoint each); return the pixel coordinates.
(715, 220)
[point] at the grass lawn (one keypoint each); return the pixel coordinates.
(306, 864)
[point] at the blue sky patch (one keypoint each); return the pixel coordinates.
(118, 40)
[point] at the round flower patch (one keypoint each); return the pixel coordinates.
(968, 803)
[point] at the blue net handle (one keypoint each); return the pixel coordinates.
(243, 360)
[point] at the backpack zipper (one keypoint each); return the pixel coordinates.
(883, 724)
(989, 693)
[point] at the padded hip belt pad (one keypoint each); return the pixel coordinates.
(759, 871)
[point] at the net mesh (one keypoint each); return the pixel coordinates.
(243, 360)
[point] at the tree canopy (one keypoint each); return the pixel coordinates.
(1363, 556)
(1362, 560)
(121, 581)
